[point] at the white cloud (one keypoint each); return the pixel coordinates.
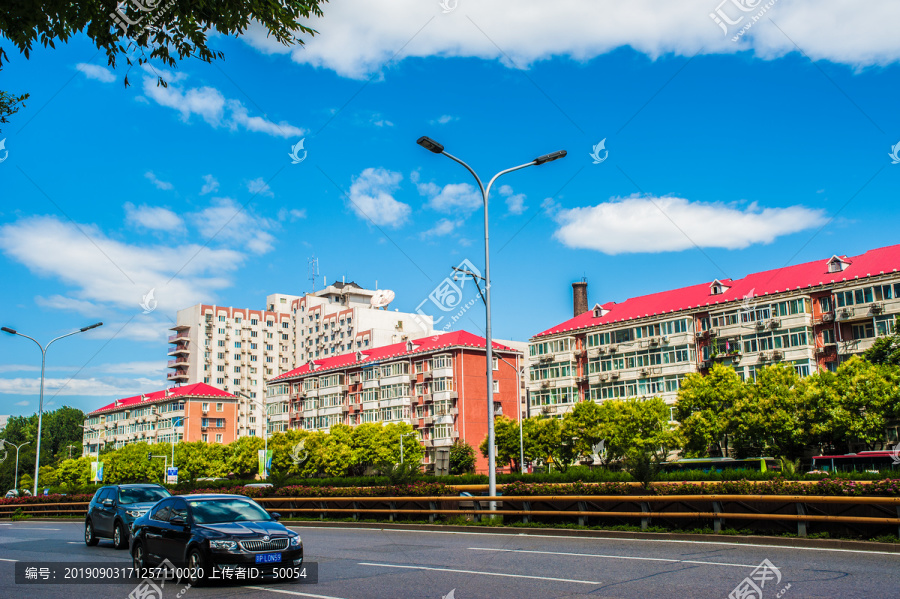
(358, 36)
(93, 71)
(25, 403)
(292, 215)
(154, 218)
(160, 184)
(147, 368)
(515, 202)
(211, 105)
(639, 224)
(111, 273)
(441, 228)
(444, 119)
(210, 184)
(64, 387)
(239, 116)
(371, 197)
(259, 186)
(229, 222)
(452, 198)
(61, 302)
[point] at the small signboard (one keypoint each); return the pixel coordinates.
(172, 475)
(97, 472)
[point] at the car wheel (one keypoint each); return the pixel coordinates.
(89, 539)
(120, 536)
(197, 569)
(138, 560)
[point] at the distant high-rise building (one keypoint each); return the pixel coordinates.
(239, 349)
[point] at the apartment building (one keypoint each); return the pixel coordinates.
(239, 349)
(197, 412)
(438, 384)
(812, 316)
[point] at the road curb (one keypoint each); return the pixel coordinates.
(616, 534)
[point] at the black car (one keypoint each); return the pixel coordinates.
(113, 509)
(206, 534)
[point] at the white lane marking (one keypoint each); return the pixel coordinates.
(8, 560)
(30, 528)
(579, 538)
(646, 559)
(297, 593)
(477, 572)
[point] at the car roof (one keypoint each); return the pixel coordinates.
(139, 486)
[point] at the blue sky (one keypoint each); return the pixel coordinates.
(763, 154)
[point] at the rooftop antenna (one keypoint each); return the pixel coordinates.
(312, 270)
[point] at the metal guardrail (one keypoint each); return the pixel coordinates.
(585, 506)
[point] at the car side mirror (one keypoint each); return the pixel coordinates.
(108, 502)
(177, 521)
(275, 516)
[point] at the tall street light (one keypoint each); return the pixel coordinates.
(16, 474)
(433, 146)
(37, 460)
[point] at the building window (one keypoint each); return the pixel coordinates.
(496, 362)
(205, 438)
(205, 406)
(218, 437)
(220, 407)
(496, 386)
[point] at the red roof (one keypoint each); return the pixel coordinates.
(201, 390)
(374, 355)
(808, 275)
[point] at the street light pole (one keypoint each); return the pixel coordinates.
(433, 146)
(16, 473)
(37, 460)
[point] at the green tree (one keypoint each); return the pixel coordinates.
(552, 445)
(869, 396)
(75, 473)
(885, 350)
(129, 464)
(506, 438)
(636, 425)
(242, 456)
(462, 458)
(704, 409)
(175, 30)
(584, 424)
(199, 459)
(770, 418)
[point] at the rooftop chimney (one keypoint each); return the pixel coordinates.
(579, 297)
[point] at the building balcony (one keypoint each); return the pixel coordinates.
(179, 351)
(444, 395)
(177, 363)
(179, 338)
(177, 376)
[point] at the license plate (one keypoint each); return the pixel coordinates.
(268, 558)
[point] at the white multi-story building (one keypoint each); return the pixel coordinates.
(812, 316)
(239, 349)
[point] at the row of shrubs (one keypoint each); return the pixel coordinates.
(777, 486)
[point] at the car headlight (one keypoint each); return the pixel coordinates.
(295, 541)
(135, 513)
(223, 544)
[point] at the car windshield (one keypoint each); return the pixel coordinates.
(215, 511)
(142, 495)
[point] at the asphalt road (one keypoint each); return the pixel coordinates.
(377, 564)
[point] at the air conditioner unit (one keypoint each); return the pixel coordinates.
(877, 308)
(774, 323)
(760, 325)
(604, 377)
(777, 355)
(828, 317)
(763, 356)
(820, 350)
(845, 313)
(613, 349)
(645, 371)
(654, 341)
(614, 375)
